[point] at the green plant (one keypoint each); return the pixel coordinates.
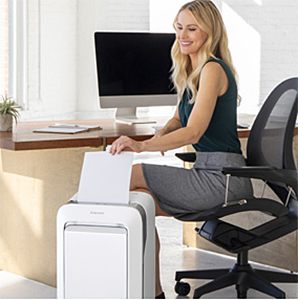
(9, 107)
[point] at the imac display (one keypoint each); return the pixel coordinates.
(133, 70)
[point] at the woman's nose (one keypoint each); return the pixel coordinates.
(184, 34)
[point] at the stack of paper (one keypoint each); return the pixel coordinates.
(105, 178)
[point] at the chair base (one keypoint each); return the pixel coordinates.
(243, 276)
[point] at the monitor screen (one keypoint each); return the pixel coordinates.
(134, 69)
(133, 63)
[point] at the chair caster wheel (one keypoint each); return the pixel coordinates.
(182, 288)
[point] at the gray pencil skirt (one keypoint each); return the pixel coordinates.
(180, 191)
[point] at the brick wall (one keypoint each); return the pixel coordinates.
(263, 36)
(94, 15)
(60, 53)
(3, 47)
(51, 41)
(263, 39)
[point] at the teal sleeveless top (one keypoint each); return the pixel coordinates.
(221, 134)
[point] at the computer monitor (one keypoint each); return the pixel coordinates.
(133, 70)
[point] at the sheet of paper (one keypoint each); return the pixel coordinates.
(105, 178)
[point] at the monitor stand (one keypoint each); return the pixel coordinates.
(128, 115)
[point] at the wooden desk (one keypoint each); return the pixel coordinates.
(38, 174)
(22, 138)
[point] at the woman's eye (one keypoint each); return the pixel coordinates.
(192, 29)
(179, 28)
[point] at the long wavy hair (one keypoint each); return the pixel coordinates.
(209, 19)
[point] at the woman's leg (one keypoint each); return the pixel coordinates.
(138, 183)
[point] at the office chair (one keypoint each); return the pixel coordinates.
(270, 158)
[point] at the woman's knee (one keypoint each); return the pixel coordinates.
(137, 179)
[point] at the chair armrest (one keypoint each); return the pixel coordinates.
(264, 205)
(289, 177)
(187, 156)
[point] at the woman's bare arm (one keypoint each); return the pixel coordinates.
(212, 83)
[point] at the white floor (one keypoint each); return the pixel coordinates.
(174, 256)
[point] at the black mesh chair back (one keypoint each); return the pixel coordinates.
(271, 138)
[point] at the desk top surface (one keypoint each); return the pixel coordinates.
(23, 138)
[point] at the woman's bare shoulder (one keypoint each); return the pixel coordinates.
(213, 67)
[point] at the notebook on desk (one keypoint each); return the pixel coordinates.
(67, 128)
(60, 130)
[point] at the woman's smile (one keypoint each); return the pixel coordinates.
(185, 44)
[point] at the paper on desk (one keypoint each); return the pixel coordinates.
(105, 178)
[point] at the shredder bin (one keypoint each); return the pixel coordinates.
(106, 251)
(86, 239)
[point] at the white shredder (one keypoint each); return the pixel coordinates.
(106, 251)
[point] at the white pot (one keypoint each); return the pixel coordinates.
(5, 122)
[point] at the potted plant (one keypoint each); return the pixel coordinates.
(8, 112)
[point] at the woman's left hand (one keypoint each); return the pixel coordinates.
(158, 134)
(125, 143)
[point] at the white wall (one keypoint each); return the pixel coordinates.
(51, 57)
(263, 36)
(95, 15)
(60, 52)
(60, 55)
(163, 13)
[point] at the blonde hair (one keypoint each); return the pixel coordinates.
(209, 19)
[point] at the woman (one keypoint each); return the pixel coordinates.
(204, 78)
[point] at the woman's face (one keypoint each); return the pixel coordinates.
(190, 37)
